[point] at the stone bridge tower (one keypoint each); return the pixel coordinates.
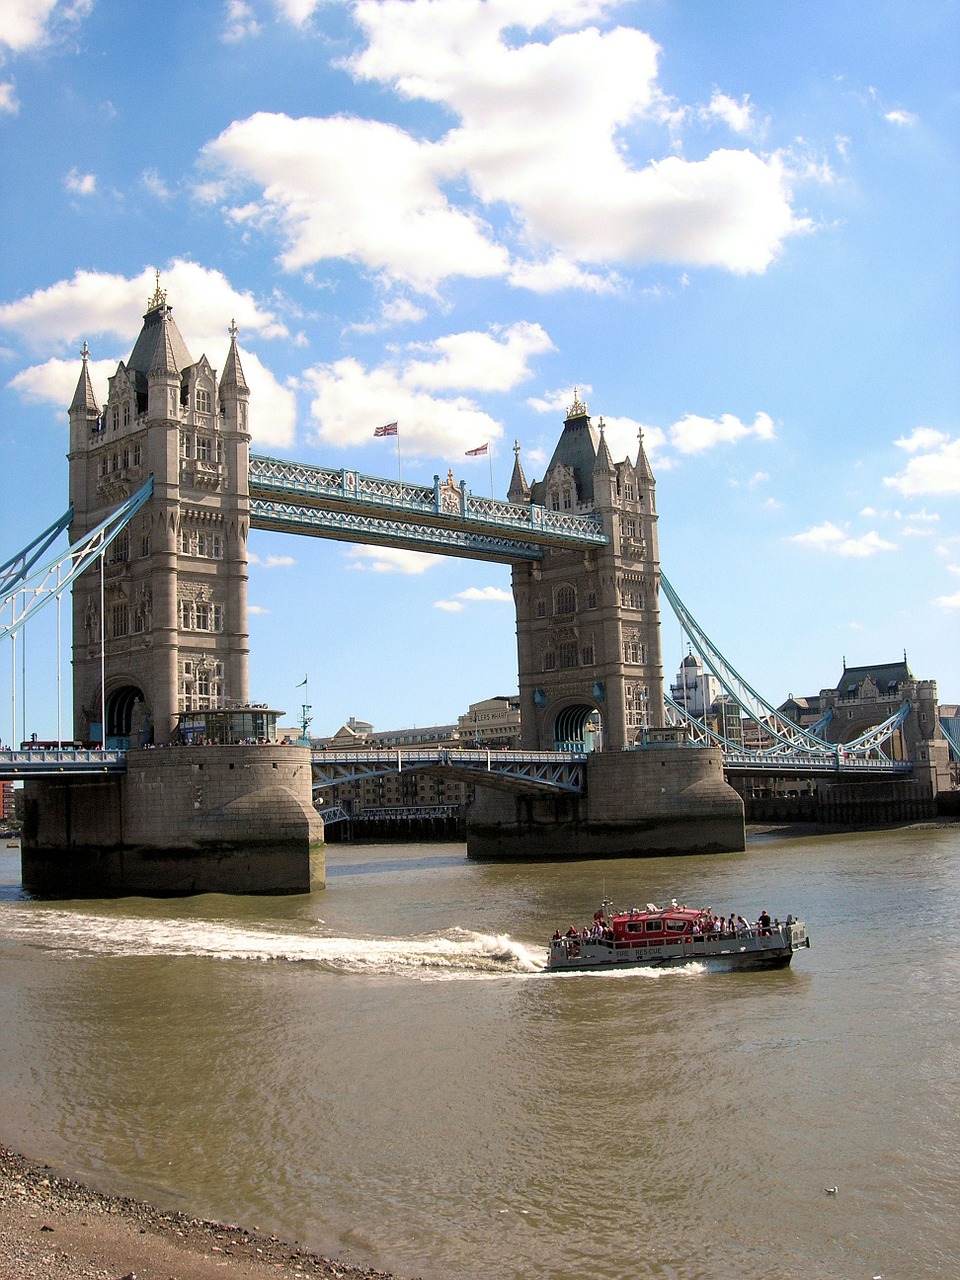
(172, 604)
(588, 623)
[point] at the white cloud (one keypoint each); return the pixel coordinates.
(355, 189)
(239, 22)
(738, 116)
(536, 100)
(949, 602)
(26, 24)
(495, 361)
(153, 183)
(922, 438)
(350, 400)
(257, 609)
(694, 434)
(900, 117)
(297, 11)
(829, 537)
(934, 468)
(80, 184)
(9, 103)
(96, 304)
(486, 594)
(559, 272)
(270, 562)
(392, 559)
(475, 594)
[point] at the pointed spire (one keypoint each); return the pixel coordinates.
(232, 378)
(642, 466)
(164, 355)
(604, 462)
(84, 396)
(519, 490)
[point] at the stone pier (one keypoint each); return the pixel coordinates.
(656, 802)
(182, 820)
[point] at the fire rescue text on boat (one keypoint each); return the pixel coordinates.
(658, 938)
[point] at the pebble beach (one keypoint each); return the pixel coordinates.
(54, 1228)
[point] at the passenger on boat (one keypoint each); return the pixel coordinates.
(742, 926)
(764, 923)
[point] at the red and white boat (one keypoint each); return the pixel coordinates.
(657, 938)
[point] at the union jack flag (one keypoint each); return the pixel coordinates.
(389, 430)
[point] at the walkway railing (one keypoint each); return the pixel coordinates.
(53, 761)
(324, 498)
(520, 770)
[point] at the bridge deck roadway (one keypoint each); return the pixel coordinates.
(293, 497)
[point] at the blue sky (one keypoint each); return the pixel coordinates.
(732, 225)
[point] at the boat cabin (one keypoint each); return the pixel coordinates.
(641, 927)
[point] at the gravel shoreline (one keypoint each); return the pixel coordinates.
(53, 1228)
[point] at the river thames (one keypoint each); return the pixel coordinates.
(382, 1072)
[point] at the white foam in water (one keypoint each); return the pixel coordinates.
(456, 953)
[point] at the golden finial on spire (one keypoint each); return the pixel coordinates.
(578, 409)
(159, 298)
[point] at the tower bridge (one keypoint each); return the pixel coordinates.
(163, 494)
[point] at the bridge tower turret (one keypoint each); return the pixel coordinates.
(588, 623)
(171, 608)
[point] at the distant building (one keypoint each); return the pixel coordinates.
(495, 722)
(695, 689)
(802, 711)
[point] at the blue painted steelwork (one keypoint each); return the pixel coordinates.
(950, 727)
(861, 755)
(50, 581)
(788, 738)
(18, 567)
(348, 526)
(55, 762)
(349, 505)
(530, 771)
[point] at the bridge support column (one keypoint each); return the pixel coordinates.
(182, 820)
(651, 803)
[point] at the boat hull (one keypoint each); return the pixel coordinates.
(733, 955)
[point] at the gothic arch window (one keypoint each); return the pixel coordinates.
(203, 400)
(565, 599)
(541, 608)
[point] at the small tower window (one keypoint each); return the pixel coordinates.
(565, 600)
(203, 401)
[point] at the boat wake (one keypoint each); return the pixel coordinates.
(455, 953)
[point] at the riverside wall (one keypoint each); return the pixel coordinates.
(655, 802)
(182, 820)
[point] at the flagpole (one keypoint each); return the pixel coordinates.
(399, 466)
(490, 456)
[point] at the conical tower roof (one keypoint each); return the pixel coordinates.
(642, 467)
(159, 330)
(519, 490)
(577, 449)
(604, 463)
(84, 397)
(232, 378)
